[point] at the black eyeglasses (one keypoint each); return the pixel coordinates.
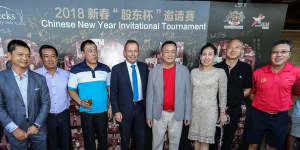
(280, 52)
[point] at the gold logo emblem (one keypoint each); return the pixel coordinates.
(263, 80)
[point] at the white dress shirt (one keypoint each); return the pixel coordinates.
(138, 78)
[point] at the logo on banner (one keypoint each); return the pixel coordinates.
(234, 20)
(258, 22)
(9, 16)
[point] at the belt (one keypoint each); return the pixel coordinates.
(138, 102)
(168, 110)
(57, 114)
(271, 113)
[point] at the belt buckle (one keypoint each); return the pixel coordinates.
(273, 113)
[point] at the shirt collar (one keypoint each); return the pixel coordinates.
(24, 75)
(287, 67)
(129, 64)
(85, 64)
(237, 64)
(44, 70)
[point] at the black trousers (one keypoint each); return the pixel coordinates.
(59, 132)
(185, 143)
(229, 129)
(94, 126)
(134, 127)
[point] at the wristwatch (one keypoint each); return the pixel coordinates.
(37, 126)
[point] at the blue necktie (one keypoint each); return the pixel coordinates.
(134, 84)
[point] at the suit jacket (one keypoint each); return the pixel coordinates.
(121, 93)
(12, 107)
(155, 93)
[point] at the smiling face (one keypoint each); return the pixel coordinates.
(131, 52)
(234, 49)
(168, 54)
(207, 57)
(20, 58)
(280, 54)
(49, 58)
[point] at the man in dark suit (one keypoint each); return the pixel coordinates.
(24, 100)
(127, 94)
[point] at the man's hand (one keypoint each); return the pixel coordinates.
(109, 113)
(118, 116)
(84, 103)
(20, 134)
(187, 122)
(32, 130)
(149, 122)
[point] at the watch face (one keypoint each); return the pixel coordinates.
(37, 126)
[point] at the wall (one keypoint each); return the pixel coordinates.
(295, 36)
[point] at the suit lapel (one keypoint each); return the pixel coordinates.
(160, 79)
(142, 74)
(30, 90)
(126, 75)
(11, 79)
(177, 79)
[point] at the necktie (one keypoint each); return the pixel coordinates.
(134, 84)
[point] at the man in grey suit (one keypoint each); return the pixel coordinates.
(168, 101)
(24, 100)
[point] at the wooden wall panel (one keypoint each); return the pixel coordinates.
(295, 36)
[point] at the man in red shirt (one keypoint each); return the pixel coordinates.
(168, 101)
(272, 98)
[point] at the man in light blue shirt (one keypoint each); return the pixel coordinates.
(58, 121)
(24, 101)
(89, 81)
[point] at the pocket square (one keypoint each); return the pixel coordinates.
(36, 89)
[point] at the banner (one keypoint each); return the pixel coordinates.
(257, 25)
(65, 24)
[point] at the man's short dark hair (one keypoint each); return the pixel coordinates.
(14, 43)
(288, 42)
(168, 42)
(47, 47)
(131, 41)
(235, 39)
(208, 45)
(85, 43)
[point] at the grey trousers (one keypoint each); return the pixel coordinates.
(168, 123)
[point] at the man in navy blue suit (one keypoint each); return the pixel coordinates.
(127, 94)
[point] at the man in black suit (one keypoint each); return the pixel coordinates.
(127, 94)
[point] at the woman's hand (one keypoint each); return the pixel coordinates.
(222, 119)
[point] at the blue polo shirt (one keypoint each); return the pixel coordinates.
(91, 84)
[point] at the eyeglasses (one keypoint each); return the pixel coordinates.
(280, 52)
